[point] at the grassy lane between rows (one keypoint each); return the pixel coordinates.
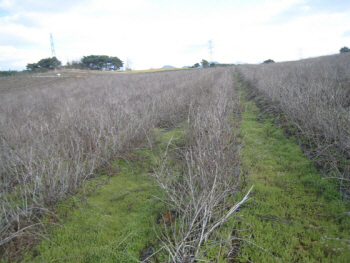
(117, 221)
(296, 216)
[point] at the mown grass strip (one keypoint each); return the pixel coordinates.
(118, 220)
(296, 216)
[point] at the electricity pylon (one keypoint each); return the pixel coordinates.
(210, 47)
(53, 53)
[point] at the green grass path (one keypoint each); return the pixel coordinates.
(289, 200)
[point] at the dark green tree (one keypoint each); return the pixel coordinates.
(44, 64)
(197, 65)
(205, 63)
(344, 50)
(49, 63)
(212, 64)
(101, 62)
(269, 61)
(32, 66)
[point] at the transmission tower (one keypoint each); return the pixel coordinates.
(210, 47)
(53, 53)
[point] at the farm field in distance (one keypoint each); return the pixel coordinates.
(248, 163)
(14, 83)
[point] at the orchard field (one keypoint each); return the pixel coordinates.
(239, 164)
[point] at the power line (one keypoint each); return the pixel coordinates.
(53, 53)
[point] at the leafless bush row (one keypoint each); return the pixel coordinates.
(53, 138)
(314, 94)
(203, 196)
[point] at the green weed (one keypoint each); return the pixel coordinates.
(296, 216)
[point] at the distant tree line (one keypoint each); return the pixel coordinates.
(44, 64)
(344, 50)
(269, 61)
(101, 62)
(8, 73)
(204, 63)
(94, 62)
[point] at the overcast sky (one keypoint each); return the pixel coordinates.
(154, 33)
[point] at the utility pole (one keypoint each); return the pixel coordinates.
(53, 53)
(210, 47)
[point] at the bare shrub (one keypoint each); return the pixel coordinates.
(314, 94)
(204, 195)
(53, 138)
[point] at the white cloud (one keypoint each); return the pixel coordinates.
(346, 33)
(114, 6)
(305, 8)
(41, 6)
(155, 33)
(13, 58)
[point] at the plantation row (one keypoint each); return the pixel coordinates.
(206, 190)
(314, 97)
(54, 138)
